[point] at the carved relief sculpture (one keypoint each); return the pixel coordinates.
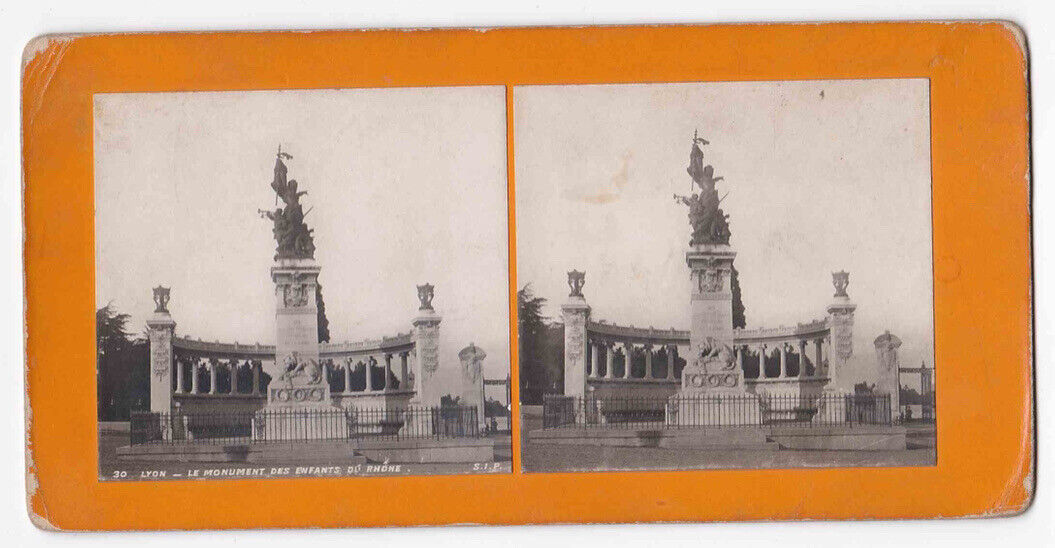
(295, 295)
(295, 368)
(715, 355)
(161, 353)
(710, 280)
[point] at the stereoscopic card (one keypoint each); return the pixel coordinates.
(393, 278)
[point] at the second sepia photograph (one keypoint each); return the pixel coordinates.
(725, 275)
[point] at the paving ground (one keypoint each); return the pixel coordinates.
(572, 458)
(110, 468)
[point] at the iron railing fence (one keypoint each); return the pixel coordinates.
(224, 428)
(714, 411)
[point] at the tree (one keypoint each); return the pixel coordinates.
(122, 366)
(739, 320)
(541, 349)
(323, 323)
(111, 335)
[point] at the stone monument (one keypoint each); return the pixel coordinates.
(426, 349)
(472, 380)
(160, 328)
(300, 385)
(576, 314)
(425, 364)
(712, 385)
(841, 319)
(889, 365)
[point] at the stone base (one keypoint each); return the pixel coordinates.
(281, 424)
(425, 450)
(318, 452)
(731, 409)
(840, 438)
(747, 439)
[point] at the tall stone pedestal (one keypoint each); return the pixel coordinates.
(841, 320)
(160, 328)
(576, 314)
(712, 385)
(298, 397)
(425, 364)
(472, 380)
(889, 382)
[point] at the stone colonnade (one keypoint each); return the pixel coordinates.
(385, 361)
(213, 366)
(601, 364)
(390, 362)
(608, 348)
(815, 349)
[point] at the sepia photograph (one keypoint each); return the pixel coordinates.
(725, 275)
(302, 283)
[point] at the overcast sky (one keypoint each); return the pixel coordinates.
(820, 175)
(405, 186)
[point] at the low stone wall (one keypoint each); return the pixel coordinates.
(120, 427)
(840, 438)
(218, 403)
(531, 411)
(422, 451)
(398, 451)
(301, 452)
(395, 399)
(632, 388)
(752, 439)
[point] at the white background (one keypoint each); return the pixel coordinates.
(22, 21)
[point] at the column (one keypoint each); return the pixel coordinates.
(369, 376)
(388, 365)
(403, 383)
(347, 375)
(609, 362)
(179, 375)
(234, 376)
(819, 350)
(828, 355)
(762, 361)
(194, 388)
(628, 351)
(740, 351)
(783, 360)
(595, 362)
(649, 374)
(802, 359)
(256, 365)
(213, 362)
(670, 361)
